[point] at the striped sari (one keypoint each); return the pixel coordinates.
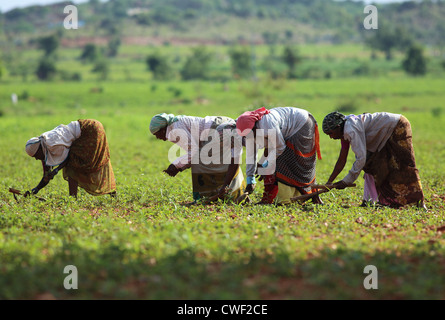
(296, 165)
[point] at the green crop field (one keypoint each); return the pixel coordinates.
(146, 245)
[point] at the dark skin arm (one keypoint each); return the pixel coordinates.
(233, 167)
(266, 154)
(172, 170)
(339, 166)
(48, 175)
(250, 188)
(337, 134)
(45, 179)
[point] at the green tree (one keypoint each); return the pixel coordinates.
(274, 65)
(118, 8)
(291, 58)
(159, 66)
(388, 39)
(102, 68)
(90, 53)
(414, 62)
(143, 19)
(241, 61)
(95, 4)
(270, 38)
(197, 65)
(113, 46)
(48, 44)
(46, 68)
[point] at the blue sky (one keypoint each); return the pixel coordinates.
(6, 5)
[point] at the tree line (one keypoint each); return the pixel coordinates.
(198, 64)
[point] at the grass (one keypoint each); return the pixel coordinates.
(145, 245)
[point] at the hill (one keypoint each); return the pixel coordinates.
(223, 21)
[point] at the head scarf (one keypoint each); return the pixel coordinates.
(161, 121)
(55, 143)
(332, 121)
(32, 146)
(246, 121)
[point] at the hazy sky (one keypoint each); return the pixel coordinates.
(6, 5)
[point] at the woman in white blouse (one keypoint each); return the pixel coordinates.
(291, 143)
(81, 150)
(382, 144)
(199, 138)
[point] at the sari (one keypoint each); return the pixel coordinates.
(89, 160)
(394, 170)
(295, 167)
(207, 179)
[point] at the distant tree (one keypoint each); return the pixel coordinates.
(46, 68)
(69, 76)
(144, 19)
(118, 8)
(241, 61)
(90, 53)
(113, 46)
(159, 66)
(95, 4)
(275, 67)
(197, 65)
(289, 34)
(111, 26)
(388, 39)
(102, 68)
(48, 44)
(414, 62)
(291, 58)
(270, 38)
(164, 15)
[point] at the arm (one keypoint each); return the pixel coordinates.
(251, 163)
(180, 133)
(251, 169)
(172, 170)
(358, 146)
(42, 184)
(48, 175)
(341, 162)
(233, 167)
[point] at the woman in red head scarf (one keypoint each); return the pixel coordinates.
(291, 143)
